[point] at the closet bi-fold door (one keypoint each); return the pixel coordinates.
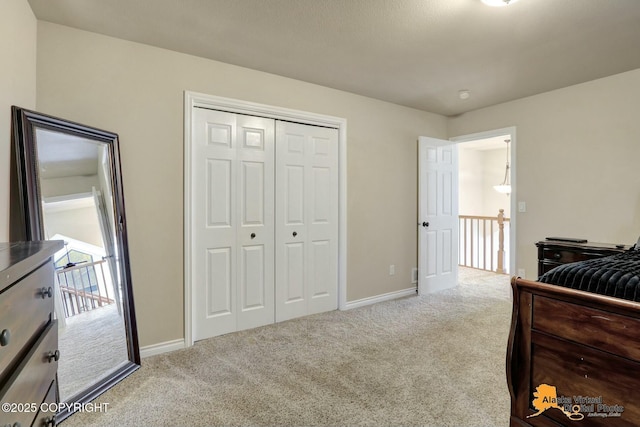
(233, 181)
(306, 220)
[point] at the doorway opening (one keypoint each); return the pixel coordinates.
(486, 215)
(439, 226)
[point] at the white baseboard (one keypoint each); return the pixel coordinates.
(379, 298)
(163, 347)
(167, 346)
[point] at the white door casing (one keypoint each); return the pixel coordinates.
(232, 161)
(306, 220)
(438, 215)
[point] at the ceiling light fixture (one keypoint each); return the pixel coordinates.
(498, 2)
(505, 187)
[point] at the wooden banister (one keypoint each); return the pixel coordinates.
(477, 241)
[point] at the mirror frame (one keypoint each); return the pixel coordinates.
(24, 124)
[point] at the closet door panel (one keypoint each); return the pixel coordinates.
(219, 282)
(293, 189)
(218, 193)
(291, 176)
(321, 185)
(252, 280)
(294, 276)
(320, 269)
(233, 161)
(253, 194)
(255, 290)
(214, 160)
(322, 230)
(306, 219)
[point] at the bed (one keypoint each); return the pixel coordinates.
(573, 355)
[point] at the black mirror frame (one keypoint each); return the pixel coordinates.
(24, 123)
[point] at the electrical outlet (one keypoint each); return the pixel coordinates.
(392, 270)
(521, 272)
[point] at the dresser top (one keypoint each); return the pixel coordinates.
(18, 259)
(585, 245)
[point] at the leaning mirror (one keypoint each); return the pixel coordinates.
(70, 189)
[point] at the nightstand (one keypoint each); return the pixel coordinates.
(552, 253)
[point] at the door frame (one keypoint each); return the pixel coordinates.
(195, 99)
(511, 130)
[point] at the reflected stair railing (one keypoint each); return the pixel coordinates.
(80, 290)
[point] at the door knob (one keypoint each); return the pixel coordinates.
(253, 235)
(295, 234)
(425, 224)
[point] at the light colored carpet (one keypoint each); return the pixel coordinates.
(436, 360)
(92, 345)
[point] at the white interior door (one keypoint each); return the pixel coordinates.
(306, 220)
(438, 215)
(233, 230)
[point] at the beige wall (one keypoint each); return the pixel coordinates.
(17, 85)
(479, 171)
(577, 161)
(137, 91)
(79, 224)
(470, 181)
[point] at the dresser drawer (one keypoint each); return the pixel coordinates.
(590, 326)
(578, 370)
(566, 256)
(24, 310)
(46, 416)
(30, 382)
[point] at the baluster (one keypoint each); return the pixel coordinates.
(500, 268)
(491, 251)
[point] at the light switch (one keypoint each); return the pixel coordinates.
(522, 206)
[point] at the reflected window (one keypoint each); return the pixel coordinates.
(85, 276)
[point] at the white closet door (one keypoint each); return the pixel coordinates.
(306, 220)
(233, 234)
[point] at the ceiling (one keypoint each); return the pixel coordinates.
(417, 53)
(61, 155)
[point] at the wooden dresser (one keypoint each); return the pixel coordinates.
(28, 334)
(552, 253)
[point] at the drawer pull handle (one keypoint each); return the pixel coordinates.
(49, 421)
(16, 425)
(5, 337)
(557, 255)
(46, 292)
(53, 355)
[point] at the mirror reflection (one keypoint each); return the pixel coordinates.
(77, 208)
(70, 189)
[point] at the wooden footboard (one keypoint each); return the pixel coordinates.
(573, 358)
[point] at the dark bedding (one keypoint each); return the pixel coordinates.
(616, 275)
